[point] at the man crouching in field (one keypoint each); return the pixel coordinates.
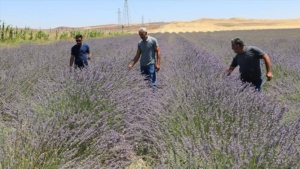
(248, 58)
(80, 53)
(147, 49)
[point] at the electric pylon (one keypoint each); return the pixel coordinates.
(126, 15)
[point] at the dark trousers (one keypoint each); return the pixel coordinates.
(257, 83)
(80, 64)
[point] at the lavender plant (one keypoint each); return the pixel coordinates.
(108, 117)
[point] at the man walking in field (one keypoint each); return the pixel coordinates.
(248, 58)
(80, 53)
(147, 50)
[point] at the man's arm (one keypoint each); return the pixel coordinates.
(72, 60)
(232, 66)
(157, 50)
(268, 66)
(229, 70)
(135, 59)
(89, 55)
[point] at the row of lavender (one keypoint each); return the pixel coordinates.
(108, 117)
(237, 129)
(283, 48)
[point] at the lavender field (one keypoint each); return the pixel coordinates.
(108, 117)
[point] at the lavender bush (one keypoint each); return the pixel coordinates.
(108, 117)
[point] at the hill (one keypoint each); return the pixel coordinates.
(200, 25)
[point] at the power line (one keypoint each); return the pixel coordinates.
(119, 17)
(0, 12)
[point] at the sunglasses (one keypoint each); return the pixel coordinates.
(78, 40)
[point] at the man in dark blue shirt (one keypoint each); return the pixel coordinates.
(80, 53)
(248, 58)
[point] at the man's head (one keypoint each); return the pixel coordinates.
(78, 39)
(237, 45)
(143, 33)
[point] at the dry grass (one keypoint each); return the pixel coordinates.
(206, 25)
(200, 25)
(138, 164)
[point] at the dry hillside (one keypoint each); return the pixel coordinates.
(206, 24)
(201, 25)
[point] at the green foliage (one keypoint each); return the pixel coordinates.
(23, 33)
(31, 35)
(11, 30)
(41, 35)
(10, 35)
(56, 34)
(64, 35)
(95, 34)
(2, 31)
(74, 33)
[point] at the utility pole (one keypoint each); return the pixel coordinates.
(126, 15)
(142, 20)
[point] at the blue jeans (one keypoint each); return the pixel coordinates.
(258, 83)
(149, 71)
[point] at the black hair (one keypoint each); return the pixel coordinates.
(78, 36)
(238, 41)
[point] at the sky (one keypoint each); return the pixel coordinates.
(47, 14)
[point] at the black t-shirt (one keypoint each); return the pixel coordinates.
(249, 62)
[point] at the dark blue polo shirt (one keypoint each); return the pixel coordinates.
(80, 53)
(249, 62)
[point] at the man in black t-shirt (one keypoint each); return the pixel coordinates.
(248, 58)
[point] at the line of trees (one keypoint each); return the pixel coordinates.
(9, 33)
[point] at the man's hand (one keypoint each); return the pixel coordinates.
(70, 68)
(130, 66)
(229, 70)
(269, 76)
(89, 58)
(157, 67)
(268, 66)
(135, 59)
